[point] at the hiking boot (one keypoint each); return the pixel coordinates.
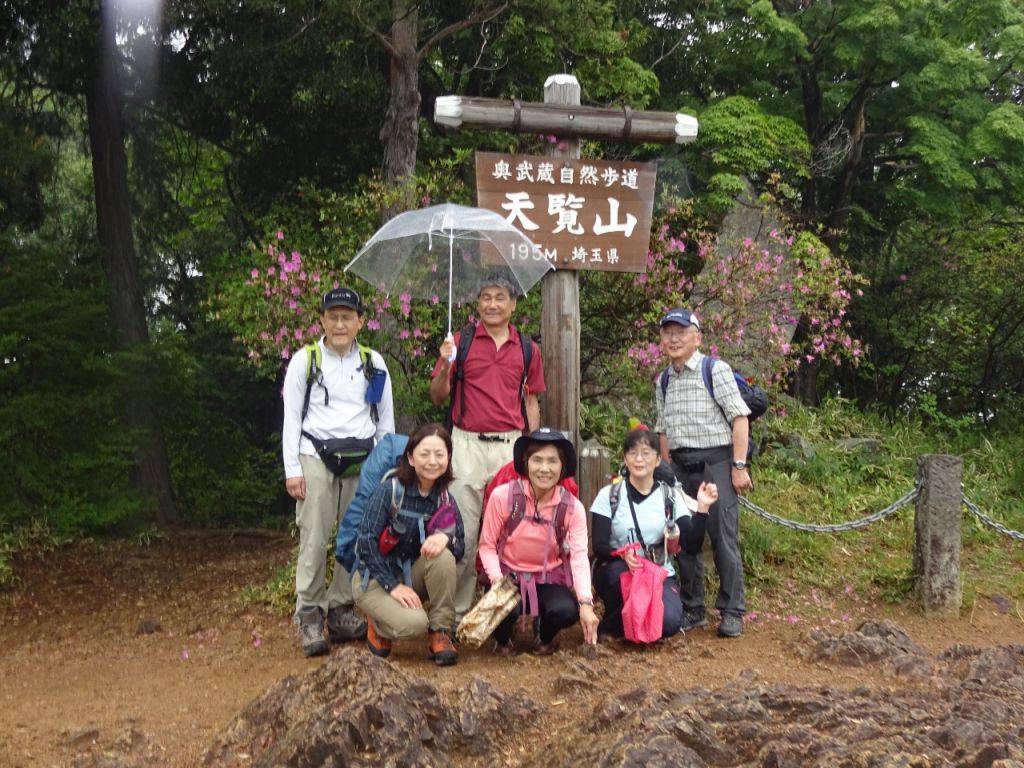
(693, 620)
(343, 623)
(311, 632)
(443, 648)
(505, 649)
(379, 646)
(730, 625)
(544, 649)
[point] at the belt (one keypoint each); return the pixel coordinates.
(708, 455)
(492, 437)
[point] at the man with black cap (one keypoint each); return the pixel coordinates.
(705, 438)
(337, 403)
(493, 385)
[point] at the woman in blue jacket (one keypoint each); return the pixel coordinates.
(410, 538)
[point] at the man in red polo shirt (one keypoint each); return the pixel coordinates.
(486, 411)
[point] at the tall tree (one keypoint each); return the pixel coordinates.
(409, 32)
(69, 49)
(117, 247)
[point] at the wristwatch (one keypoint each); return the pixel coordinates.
(739, 465)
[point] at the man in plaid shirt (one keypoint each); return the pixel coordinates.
(705, 438)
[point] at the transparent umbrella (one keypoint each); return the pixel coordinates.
(446, 251)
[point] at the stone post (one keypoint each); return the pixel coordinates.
(592, 475)
(937, 518)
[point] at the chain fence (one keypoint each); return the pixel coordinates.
(863, 522)
(986, 520)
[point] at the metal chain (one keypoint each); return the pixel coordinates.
(838, 527)
(989, 521)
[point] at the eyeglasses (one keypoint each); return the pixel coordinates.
(676, 333)
(637, 454)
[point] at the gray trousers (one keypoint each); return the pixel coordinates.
(317, 517)
(712, 465)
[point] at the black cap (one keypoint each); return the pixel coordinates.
(342, 297)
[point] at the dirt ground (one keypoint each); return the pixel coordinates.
(106, 636)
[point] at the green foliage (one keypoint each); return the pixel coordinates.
(220, 430)
(68, 457)
(810, 472)
(743, 139)
(278, 593)
(32, 537)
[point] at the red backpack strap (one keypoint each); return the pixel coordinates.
(516, 512)
(559, 520)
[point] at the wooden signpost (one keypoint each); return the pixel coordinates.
(577, 225)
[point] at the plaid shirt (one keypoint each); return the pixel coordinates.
(688, 415)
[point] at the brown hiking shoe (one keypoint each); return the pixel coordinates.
(443, 648)
(379, 646)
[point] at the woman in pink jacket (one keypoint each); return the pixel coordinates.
(535, 532)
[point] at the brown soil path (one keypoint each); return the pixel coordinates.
(103, 637)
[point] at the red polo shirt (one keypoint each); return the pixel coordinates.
(491, 377)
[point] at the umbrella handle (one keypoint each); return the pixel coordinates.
(451, 265)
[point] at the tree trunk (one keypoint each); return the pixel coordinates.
(114, 233)
(400, 133)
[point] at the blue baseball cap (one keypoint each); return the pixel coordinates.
(680, 316)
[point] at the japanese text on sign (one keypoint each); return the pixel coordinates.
(581, 214)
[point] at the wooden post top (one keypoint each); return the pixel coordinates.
(562, 115)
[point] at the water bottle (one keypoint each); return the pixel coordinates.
(672, 545)
(390, 536)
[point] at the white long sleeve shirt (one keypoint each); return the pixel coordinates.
(345, 414)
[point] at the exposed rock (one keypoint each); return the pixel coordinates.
(483, 711)
(148, 626)
(130, 748)
(358, 710)
(964, 708)
(871, 642)
(866, 446)
(798, 443)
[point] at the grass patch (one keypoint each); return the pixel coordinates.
(277, 593)
(835, 465)
(37, 537)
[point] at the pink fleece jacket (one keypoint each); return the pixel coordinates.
(525, 548)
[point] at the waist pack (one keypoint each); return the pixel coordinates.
(342, 455)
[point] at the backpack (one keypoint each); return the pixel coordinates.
(397, 497)
(314, 373)
(465, 341)
(516, 515)
(755, 398)
(614, 494)
(616, 491)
